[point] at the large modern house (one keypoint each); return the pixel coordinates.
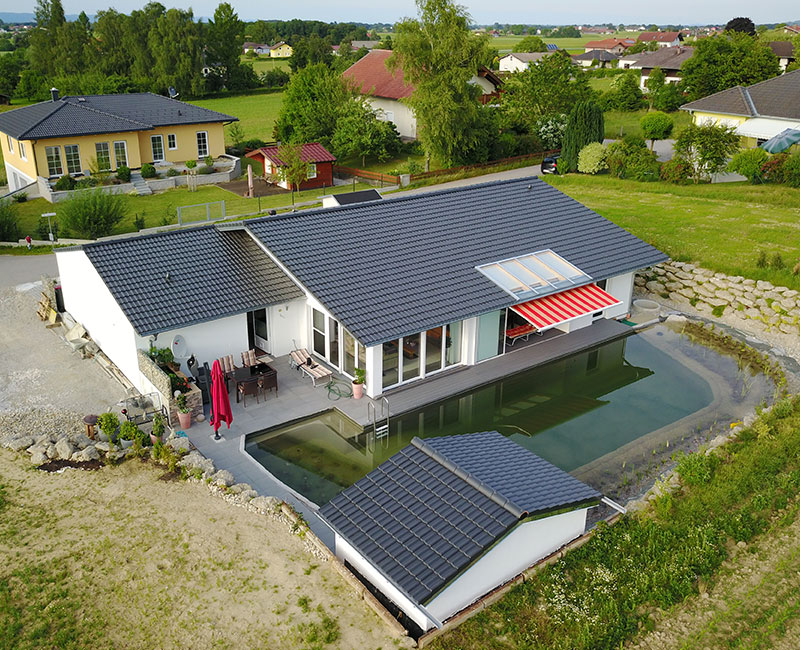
(67, 135)
(405, 288)
(758, 112)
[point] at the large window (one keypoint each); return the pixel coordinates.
(421, 354)
(312, 170)
(103, 156)
(491, 333)
(202, 144)
(353, 354)
(73, 155)
(333, 332)
(54, 167)
(453, 353)
(172, 141)
(157, 145)
(412, 352)
(433, 349)
(121, 153)
(318, 332)
(391, 363)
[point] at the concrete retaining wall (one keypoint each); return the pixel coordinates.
(765, 307)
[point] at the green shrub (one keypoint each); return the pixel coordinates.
(772, 169)
(761, 262)
(697, 468)
(656, 125)
(138, 221)
(275, 78)
(791, 170)
(592, 158)
(93, 213)
(777, 262)
(9, 228)
(676, 171)
(209, 161)
(148, 171)
(749, 164)
(66, 182)
(43, 228)
(128, 431)
(124, 173)
(191, 164)
(171, 172)
(21, 197)
(668, 98)
(206, 169)
(85, 183)
(108, 423)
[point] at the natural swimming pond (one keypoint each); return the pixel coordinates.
(603, 415)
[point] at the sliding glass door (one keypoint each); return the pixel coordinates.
(421, 355)
(335, 344)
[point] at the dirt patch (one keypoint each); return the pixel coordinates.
(118, 559)
(754, 602)
(58, 465)
(260, 188)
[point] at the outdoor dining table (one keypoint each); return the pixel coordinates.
(262, 371)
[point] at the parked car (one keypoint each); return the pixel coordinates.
(549, 164)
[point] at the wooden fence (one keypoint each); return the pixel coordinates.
(388, 179)
(531, 157)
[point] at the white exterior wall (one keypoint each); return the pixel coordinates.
(525, 545)
(89, 301)
(510, 63)
(486, 86)
(17, 179)
(344, 551)
(621, 287)
(392, 110)
(287, 323)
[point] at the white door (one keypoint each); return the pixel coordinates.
(261, 330)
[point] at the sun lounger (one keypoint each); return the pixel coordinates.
(303, 361)
(518, 332)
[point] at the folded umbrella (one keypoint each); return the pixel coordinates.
(220, 403)
(782, 141)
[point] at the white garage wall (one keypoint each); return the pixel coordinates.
(394, 111)
(525, 545)
(89, 301)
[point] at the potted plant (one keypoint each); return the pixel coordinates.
(358, 383)
(184, 412)
(158, 428)
(127, 434)
(109, 425)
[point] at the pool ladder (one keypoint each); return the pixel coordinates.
(381, 431)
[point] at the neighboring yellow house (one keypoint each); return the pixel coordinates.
(758, 112)
(70, 134)
(280, 50)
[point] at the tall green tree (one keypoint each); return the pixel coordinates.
(110, 31)
(311, 105)
(310, 51)
(742, 25)
(176, 44)
(294, 169)
(725, 61)
(585, 124)
(224, 39)
(549, 88)
(531, 44)
(141, 23)
(360, 133)
(439, 56)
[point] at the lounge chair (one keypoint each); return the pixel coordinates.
(250, 358)
(303, 361)
(518, 332)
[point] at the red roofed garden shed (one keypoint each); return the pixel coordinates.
(320, 159)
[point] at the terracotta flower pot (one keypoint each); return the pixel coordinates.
(154, 438)
(185, 420)
(358, 390)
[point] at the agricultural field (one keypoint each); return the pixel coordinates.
(506, 43)
(257, 113)
(723, 226)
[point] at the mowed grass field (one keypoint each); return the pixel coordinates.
(722, 226)
(256, 113)
(263, 64)
(621, 123)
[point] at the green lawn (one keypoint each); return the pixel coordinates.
(161, 209)
(622, 122)
(721, 226)
(256, 113)
(262, 64)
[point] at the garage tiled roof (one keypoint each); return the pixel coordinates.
(403, 265)
(777, 97)
(170, 280)
(94, 114)
(425, 514)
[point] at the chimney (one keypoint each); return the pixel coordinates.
(54, 94)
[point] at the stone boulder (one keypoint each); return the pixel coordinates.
(64, 449)
(223, 478)
(18, 444)
(88, 453)
(238, 488)
(178, 444)
(39, 457)
(81, 440)
(265, 504)
(102, 445)
(195, 460)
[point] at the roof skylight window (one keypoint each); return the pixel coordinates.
(534, 274)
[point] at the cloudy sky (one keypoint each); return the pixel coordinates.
(510, 11)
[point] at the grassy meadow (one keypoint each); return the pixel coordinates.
(256, 113)
(626, 122)
(264, 63)
(723, 226)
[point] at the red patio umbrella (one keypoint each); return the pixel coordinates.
(220, 404)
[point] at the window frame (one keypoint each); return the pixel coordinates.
(124, 144)
(171, 137)
(312, 171)
(10, 144)
(107, 155)
(160, 139)
(197, 142)
(47, 152)
(22, 153)
(67, 159)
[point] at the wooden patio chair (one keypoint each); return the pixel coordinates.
(246, 388)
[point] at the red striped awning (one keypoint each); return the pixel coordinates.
(561, 307)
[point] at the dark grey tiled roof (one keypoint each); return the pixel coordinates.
(349, 198)
(212, 273)
(405, 264)
(421, 518)
(92, 114)
(776, 97)
(596, 55)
